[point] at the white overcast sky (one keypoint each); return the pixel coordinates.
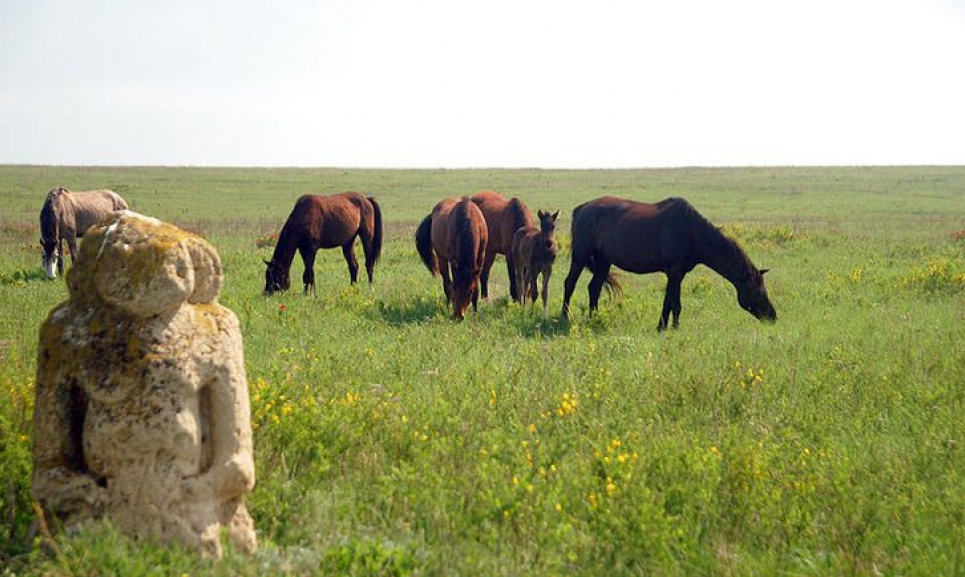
(445, 83)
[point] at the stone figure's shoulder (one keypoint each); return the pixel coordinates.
(216, 317)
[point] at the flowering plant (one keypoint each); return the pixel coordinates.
(266, 241)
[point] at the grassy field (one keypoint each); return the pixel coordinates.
(389, 440)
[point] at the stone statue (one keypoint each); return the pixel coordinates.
(142, 411)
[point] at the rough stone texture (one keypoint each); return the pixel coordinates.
(142, 411)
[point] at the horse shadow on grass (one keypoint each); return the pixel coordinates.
(410, 311)
(535, 326)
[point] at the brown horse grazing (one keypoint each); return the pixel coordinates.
(534, 251)
(454, 235)
(65, 216)
(669, 237)
(503, 218)
(326, 222)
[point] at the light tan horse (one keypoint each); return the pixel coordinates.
(533, 253)
(66, 215)
(454, 236)
(504, 216)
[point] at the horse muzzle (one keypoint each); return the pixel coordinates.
(50, 269)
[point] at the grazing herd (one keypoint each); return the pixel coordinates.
(460, 238)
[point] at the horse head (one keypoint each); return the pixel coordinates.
(50, 256)
(276, 278)
(547, 226)
(752, 296)
(50, 217)
(463, 290)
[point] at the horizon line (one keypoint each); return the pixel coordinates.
(467, 168)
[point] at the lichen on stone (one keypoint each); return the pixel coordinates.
(128, 372)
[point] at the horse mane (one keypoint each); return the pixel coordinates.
(719, 242)
(287, 244)
(49, 222)
(466, 251)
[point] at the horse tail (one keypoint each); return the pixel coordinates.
(466, 251)
(612, 285)
(377, 233)
(612, 282)
(423, 243)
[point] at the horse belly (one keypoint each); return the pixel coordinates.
(641, 267)
(338, 228)
(633, 251)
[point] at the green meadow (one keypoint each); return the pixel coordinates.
(391, 441)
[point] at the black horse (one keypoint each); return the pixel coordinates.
(670, 237)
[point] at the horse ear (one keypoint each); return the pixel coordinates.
(267, 262)
(539, 214)
(764, 270)
(555, 215)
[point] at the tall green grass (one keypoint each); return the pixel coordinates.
(389, 440)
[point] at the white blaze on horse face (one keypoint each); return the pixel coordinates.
(50, 267)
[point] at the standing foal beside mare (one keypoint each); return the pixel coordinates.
(534, 252)
(504, 216)
(670, 237)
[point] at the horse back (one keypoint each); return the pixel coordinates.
(635, 236)
(86, 208)
(459, 230)
(325, 221)
(503, 216)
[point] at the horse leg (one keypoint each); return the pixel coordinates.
(446, 283)
(546, 291)
(72, 246)
(366, 237)
(484, 274)
(601, 271)
(569, 284)
(511, 267)
(348, 251)
(308, 277)
(522, 278)
(475, 300)
(676, 303)
(671, 301)
(60, 257)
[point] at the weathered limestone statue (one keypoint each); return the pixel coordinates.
(142, 411)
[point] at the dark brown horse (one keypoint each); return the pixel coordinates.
(65, 216)
(534, 252)
(326, 222)
(503, 218)
(670, 237)
(454, 236)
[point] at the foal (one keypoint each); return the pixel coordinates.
(534, 251)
